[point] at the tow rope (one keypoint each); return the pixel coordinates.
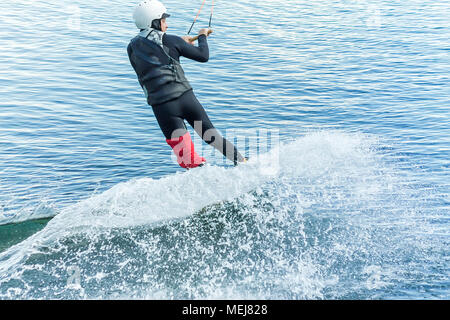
(198, 13)
(210, 17)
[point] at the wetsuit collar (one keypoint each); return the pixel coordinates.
(153, 35)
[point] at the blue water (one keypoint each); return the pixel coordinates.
(353, 203)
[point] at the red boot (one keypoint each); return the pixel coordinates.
(183, 147)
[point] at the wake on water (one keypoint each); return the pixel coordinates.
(323, 216)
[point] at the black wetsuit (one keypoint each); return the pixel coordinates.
(171, 114)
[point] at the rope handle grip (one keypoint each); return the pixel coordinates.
(196, 37)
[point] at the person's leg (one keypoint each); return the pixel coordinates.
(169, 120)
(195, 114)
(177, 137)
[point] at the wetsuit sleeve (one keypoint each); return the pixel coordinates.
(198, 53)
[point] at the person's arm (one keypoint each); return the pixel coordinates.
(198, 53)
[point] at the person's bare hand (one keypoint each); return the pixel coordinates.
(205, 31)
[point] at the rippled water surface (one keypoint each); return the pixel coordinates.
(353, 203)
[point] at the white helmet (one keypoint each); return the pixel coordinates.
(147, 11)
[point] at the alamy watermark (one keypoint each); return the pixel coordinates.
(74, 18)
(369, 13)
(67, 18)
(74, 277)
(260, 145)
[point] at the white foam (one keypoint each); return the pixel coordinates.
(147, 201)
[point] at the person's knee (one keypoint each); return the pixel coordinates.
(205, 130)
